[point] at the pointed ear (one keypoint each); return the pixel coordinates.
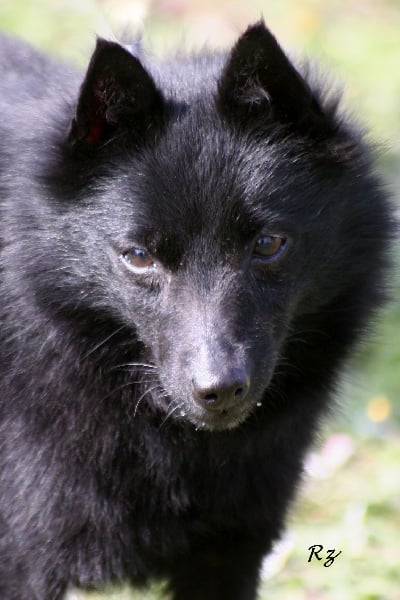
(117, 94)
(259, 81)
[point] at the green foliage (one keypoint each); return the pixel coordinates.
(355, 509)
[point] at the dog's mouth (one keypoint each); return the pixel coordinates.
(216, 408)
(218, 420)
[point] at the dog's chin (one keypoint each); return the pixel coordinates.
(213, 420)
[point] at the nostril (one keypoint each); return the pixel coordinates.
(210, 398)
(223, 392)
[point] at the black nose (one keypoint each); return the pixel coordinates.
(221, 392)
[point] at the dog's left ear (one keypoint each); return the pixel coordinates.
(259, 81)
(117, 95)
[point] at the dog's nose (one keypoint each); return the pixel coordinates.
(223, 391)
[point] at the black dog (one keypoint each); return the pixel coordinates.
(189, 253)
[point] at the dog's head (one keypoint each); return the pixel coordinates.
(226, 208)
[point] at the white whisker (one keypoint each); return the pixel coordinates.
(170, 413)
(135, 364)
(99, 345)
(148, 391)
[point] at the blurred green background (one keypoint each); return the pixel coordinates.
(350, 498)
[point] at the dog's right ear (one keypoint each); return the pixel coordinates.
(117, 96)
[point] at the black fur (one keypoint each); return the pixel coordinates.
(189, 252)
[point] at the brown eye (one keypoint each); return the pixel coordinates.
(138, 260)
(269, 246)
